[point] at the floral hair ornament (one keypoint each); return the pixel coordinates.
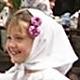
(34, 29)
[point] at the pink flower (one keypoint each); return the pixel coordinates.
(35, 21)
(34, 30)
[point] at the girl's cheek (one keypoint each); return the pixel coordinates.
(25, 51)
(22, 50)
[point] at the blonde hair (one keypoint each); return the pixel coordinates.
(14, 22)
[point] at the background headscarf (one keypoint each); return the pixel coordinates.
(43, 5)
(51, 49)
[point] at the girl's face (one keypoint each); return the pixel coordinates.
(18, 43)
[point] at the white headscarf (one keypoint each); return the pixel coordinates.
(51, 49)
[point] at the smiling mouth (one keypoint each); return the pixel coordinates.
(16, 52)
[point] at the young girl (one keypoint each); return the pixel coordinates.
(38, 47)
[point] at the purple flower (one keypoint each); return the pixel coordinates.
(35, 21)
(34, 29)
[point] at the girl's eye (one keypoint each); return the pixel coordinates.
(8, 37)
(19, 38)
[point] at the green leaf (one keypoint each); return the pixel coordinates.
(16, 3)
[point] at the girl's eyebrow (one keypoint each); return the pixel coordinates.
(19, 35)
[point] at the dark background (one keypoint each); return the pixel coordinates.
(63, 6)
